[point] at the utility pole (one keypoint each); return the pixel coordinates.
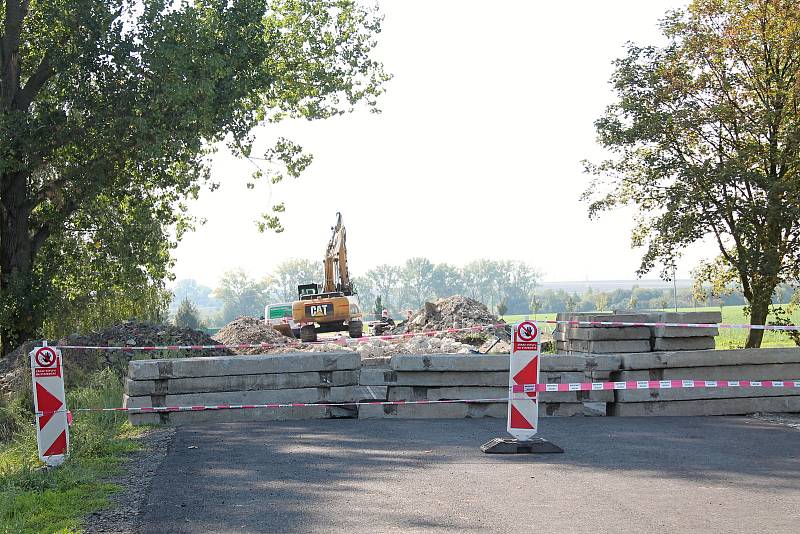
(674, 289)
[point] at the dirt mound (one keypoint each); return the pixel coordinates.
(454, 312)
(79, 363)
(249, 330)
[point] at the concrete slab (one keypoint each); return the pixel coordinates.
(683, 343)
(334, 394)
(707, 407)
(608, 334)
(376, 376)
(707, 358)
(452, 378)
(299, 362)
(679, 331)
(434, 411)
(697, 317)
(241, 382)
(618, 475)
(732, 372)
(609, 347)
(236, 416)
(450, 362)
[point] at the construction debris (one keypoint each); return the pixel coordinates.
(249, 330)
(454, 312)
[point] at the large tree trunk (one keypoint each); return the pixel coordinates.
(16, 262)
(759, 309)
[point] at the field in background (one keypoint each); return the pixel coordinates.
(729, 338)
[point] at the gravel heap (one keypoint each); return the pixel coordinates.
(377, 348)
(451, 312)
(133, 334)
(249, 330)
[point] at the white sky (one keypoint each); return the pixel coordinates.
(476, 154)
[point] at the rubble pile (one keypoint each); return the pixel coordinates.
(249, 330)
(378, 348)
(453, 312)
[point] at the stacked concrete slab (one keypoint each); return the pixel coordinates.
(606, 339)
(484, 377)
(235, 380)
(743, 364)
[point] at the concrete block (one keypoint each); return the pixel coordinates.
(696, 317)
(243, 365)
(449, 393)
(608, 334)
(707, 407)
(572, 409)
(559, 337)
(453, 378)
(739, 372)
(376, 376)
(681, 331)
(616, 317)
(370, 393)
(450, 362)
(334, 394)
(235, 416)
(610, 347)
(241, 382)
(434, 411)
(709, 358)
(683, 343)
(580, 362)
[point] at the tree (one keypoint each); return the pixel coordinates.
(447, 280)
(241, 295)
(536, 303)
(377, 311)
(111, 107)
(186, 316)
(600, 301)
(291, 273)
(502, 308)
(706, 137)
(416, 277)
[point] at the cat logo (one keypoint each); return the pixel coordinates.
(319, 310)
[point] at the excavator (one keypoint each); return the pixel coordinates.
(335, 308)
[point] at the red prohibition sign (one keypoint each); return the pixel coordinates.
(527, 331)
(45, 357)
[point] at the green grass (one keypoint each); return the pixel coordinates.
(33, 499)
(729, 338)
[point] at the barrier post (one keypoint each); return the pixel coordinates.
(523, 400)
(50, 405)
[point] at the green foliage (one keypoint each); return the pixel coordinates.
(186, 316)
(378, 309)
(110, 109)
(502, 308)
(705, 137)
(240, 295)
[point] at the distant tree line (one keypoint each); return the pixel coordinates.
(502, 285)
(506, 287)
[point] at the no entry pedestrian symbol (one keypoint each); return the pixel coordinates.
(526, 337)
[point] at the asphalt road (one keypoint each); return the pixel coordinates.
(658, 474)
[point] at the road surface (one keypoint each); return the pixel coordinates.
(657, 474)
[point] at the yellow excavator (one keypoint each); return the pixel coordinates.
(335, 308)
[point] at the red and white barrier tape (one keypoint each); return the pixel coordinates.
(518, 388)
(432, 333)
(654, 384)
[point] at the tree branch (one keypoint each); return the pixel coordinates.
(37, 80)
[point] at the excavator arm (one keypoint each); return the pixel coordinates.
(337, 275)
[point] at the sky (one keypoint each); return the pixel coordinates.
(476, 154)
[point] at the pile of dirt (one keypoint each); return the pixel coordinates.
(378, 348)
(79, 363)
(249, 330)
(454, 312)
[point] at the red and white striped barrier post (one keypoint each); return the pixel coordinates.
(52, 430)
(523, 406)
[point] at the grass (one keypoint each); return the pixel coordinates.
(36, 500)
(729, 338)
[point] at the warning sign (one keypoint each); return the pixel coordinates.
(52, 430)
(523, 408)
(526, 337)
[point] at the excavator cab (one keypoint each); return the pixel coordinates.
(335, 308)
